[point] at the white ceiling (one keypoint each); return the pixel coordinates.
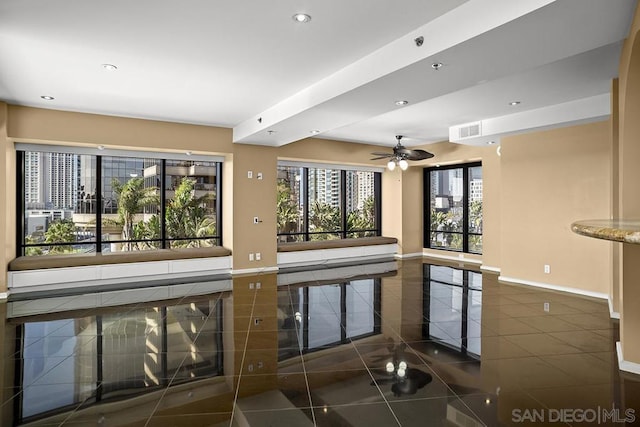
(230, 63)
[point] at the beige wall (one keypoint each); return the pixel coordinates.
(549, 180)
(7, 195)
(629, 187)
(254, 198)
(243, 198)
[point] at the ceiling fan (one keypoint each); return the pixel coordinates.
(401, 154)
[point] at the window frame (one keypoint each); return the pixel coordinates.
(164, 241)
(465, 233)
(343, 232)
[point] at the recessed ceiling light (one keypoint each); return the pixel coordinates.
(109, 67)
(514, 103)
(271, 132)
(491, 142)
(188, 153)
(100, 147)
(437, 65)
(315, 132)
(399, 103)
(47, 97)
(301, 18)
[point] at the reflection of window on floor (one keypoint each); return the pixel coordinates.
(70, 361)
(452, 306)
(315, 317)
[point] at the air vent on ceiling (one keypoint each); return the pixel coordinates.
(470, 130)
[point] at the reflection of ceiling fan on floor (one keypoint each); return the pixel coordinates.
(401, 154)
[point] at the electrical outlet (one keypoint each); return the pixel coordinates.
(259, 175)
(251, 257)
(256, 220)
(258, 256)
(547, 307)
(249, 174)
(250, 368)
(258, 285)
(251, 285)
(547, 268)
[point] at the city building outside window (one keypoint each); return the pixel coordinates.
(453, 208)
(143, 203)
(326, 203)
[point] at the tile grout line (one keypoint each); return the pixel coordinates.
(166, 389)
(364, 363)
(244, 354)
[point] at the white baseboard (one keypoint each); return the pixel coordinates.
(460, 258)
(489, 268)
(612, 314)
(553, 287)
(625, 365)
(4, 295)
(258, 270)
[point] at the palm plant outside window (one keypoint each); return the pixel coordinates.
(327, 203)
(453, 208)
(142, 203)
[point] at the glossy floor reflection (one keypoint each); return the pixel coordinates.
(389, 344)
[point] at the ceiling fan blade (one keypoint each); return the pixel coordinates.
(378, 153)
(418, 155)
(380, 157)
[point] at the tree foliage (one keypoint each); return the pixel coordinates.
(60, 231)
(186, 216)
(288, 213)
(132, 198)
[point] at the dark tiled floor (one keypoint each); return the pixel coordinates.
(423, 345)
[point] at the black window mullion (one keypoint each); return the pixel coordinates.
(218, 188)
(20, 202)
(377, 196)
(465, 209)
(98, 194)
(426, 208)
(163, 202)
(304, 181)
(343, 202)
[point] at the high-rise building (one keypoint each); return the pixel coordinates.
(51, 180)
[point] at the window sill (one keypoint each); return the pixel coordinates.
(337, 243)
(24, 263)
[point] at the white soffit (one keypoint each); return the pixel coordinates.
(445, 32)
(585, 110)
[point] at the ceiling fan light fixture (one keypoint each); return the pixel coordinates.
(403, 164)
(391, 165)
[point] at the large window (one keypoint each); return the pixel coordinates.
(453, 208)
(325, 203)
(80, 203)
